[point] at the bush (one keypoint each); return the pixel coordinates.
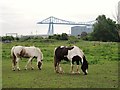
(63, 36)
(87, 37)
(7, 38)
(72, 40)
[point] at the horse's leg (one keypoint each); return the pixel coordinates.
(56, 64)
(60, 69)
(13, 61)
(77, 66)
(28, 62)
(57, 67)
(31, 65)
(78, 69)
(17, 61)
(13, 67)
(13, 64)
(72, 66)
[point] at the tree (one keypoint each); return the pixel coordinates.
(83, 34)
(105, 29)
(64, 36)
(7, 38)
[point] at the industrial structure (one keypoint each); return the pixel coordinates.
(78, 30)
(53, 20)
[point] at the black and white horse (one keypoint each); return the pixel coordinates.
(72, 54)
(27, 52)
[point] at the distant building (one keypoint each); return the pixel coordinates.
(118, 17)
(12, 34)
(78, 30)
(33, 36)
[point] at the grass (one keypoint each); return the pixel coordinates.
(98, 77)
(103, 67)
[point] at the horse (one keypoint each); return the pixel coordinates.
(72, 54)
(17, 52)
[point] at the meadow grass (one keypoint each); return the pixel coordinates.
(100, 76)
(103, 67)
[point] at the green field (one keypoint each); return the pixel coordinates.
(103, 67)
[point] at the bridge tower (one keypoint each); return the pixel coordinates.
(51, 27)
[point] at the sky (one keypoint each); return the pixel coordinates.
(21, 16)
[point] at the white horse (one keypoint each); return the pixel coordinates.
(27, 52)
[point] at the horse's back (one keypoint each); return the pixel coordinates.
(16, 49)
(76, 51)
(32, 51)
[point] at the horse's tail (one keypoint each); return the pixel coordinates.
(55, 61)
(13, 56)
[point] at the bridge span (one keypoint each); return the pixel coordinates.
(53, 20)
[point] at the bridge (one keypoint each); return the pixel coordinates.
(53, 20)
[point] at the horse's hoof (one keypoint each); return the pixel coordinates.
(56, 71)
(78, 72)
(61, 72)
(32, 68)
(39, 68)
(25, 69)
(13, 69)
(72, 72)
(18, 69)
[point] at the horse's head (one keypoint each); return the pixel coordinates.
(84, 66)
(39, 58)
(40, 65)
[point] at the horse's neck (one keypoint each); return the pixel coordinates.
(40, 55)
(38, 58)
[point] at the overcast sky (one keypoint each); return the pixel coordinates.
(21, 16)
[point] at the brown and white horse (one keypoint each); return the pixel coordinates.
(27, 52)
(72, 54)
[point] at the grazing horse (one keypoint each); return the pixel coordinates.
(72, 54)
(27, 52)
